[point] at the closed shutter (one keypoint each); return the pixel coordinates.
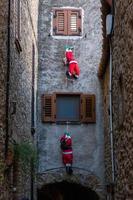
(74, 22)
(67, 22)
(60, 22)
(48, 108)
(88, 113)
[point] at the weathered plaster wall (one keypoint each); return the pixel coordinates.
(123, 98)
(87, 139)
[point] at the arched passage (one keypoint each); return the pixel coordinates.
(66, 191)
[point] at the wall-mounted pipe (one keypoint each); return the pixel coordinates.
(110, 118)
(110, 99)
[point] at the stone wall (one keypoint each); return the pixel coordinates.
(89, 154)
(3, 59)
(84, 178)
(3, 86)
(20, 85)
(123, 98)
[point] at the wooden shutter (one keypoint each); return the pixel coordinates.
(48, 108)
(88, 114)
(60, 22)
(74, 22)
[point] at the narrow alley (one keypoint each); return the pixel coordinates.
(66, 100)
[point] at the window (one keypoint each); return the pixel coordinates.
(67, 22)
(62, 107)
(67, 107)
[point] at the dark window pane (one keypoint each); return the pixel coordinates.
(68, 108)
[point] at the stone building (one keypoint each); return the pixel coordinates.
(117, 76)
(18, 78)
(122, 97)
(88, 141)
(102, 128)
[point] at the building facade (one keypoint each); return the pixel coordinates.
(18, 78)
(101, 130)
(122, 95)
(117, 84)
(3, 86)
(88, 139)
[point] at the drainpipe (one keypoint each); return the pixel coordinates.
(110, 97)
(7, 78)
(110, 108)
(110, 105)
(109, 31)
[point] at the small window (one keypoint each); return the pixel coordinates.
(67, 22)
(63, 107)
(67, 108)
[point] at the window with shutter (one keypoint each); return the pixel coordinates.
(73, 107)
(60, 22)
(88, 108)
(74, 22)
(48, 108)
(67, 22)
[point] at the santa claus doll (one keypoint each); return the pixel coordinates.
(67, 153)
(73, 67)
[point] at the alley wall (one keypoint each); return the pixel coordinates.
(123, 98)
(87, 139)
(19, 61)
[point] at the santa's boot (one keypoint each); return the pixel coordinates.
(69, 169)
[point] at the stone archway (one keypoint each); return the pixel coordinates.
(66, 191)
(83, 181)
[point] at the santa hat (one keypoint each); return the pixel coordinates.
(69, 54)
(67, 135)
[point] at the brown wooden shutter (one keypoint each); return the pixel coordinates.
(48, 108)
(74, 22)
(88, 113)
(60, 22)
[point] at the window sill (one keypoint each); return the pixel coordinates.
(69, 123)
(74, 37)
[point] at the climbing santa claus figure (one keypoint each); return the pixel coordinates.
(73, 67)
(67, 153)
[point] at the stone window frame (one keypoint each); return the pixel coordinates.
(67, 12)
(87, 108)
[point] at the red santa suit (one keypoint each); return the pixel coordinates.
(67, 154)
(73, 68)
